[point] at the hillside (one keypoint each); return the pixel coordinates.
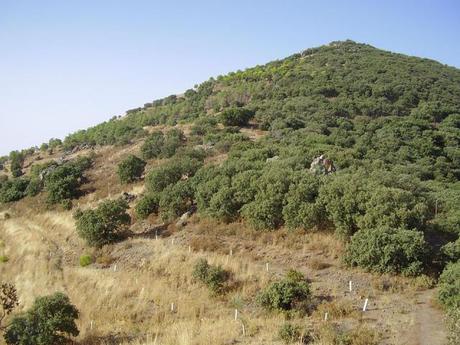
(341, 162)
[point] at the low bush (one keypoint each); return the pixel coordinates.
(104, 224)
(50, 320)
(147, 205)
(152, 146)
(289, 333)
(290, 293)
(130, 169)
(85, 260)
(388, 250)
(449, 286)
(214, 277)
(63, 182)
(13, 189)
(4, 259)
(453, 326)
(236, 116)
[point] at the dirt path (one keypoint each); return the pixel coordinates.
(429, 325)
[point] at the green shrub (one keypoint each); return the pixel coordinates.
(17, 160)
(66, 204)
(50, 320)
(388, 250)
(147, 205)
(170, 173)
(85, 260)
(34, 188)
(290, 293)
(214, 277)
(173, 139)
(63, 182)
(13, 189)
(452, 251)
(161, 177)
(104, 224)
(4, 259)
(236, 116)
(289, 333)
(449, 286)
(130, 169)
(175, 200)
(301, 209)
(453, 326)
(153, 145)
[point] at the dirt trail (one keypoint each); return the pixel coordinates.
(429, 325)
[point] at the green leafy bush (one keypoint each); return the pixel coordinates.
(63, 182)
(452, 251)
(289, 333)
(50, 320)
(85, 260)
(104, 224)
(130, 169)
(16, 163)
(170, 173)
(300, 207)
(214, 277)
(449, 286)
(4, 259)
(34, 187)
(153, 145)
(290, 293)
(173, 139)
(175, 200)
(388, 250)
(13, 189)
(147, 205)
(236, 116)
(453, 326)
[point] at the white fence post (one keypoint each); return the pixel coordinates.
(365, 304)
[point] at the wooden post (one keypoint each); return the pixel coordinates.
(115, 268)
(236, 314)
(156, 234)
(189, 249)
(325, 316)
(172, 307)
(91, 325)
(231, 252)
(350, 285)
(244, 329)
(266, 266)
(172, 241)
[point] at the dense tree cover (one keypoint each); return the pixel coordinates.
(130, 169)
(50, 320)
(104, 224)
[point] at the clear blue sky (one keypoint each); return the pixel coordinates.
(68, 64)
